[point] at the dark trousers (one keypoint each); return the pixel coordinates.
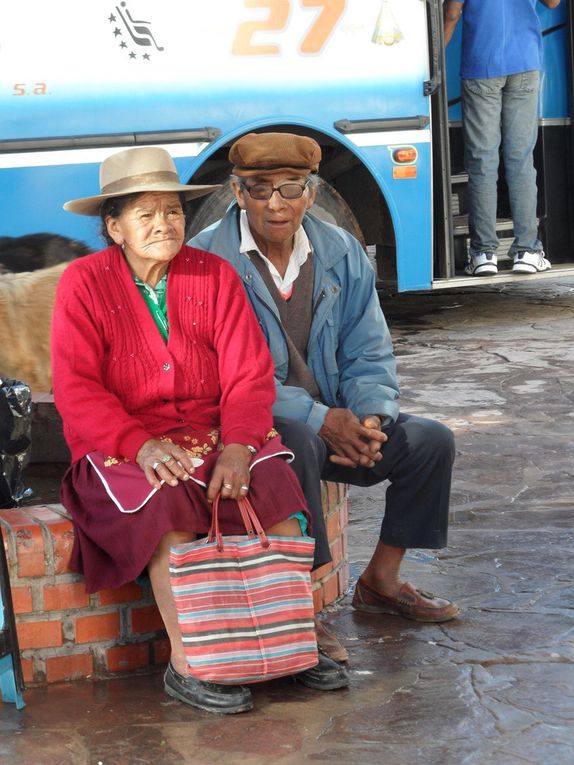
(417, 461)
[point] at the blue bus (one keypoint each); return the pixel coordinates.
(368, 79)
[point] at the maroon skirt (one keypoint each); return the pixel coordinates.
(112, 547)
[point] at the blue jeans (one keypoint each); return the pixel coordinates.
(495, 110)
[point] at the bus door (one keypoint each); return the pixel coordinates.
(553, 160)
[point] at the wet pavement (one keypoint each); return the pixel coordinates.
(494, 687)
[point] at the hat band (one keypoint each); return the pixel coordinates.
(274, 167)
(143, 179)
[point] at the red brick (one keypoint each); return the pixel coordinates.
(42, 513)
(39, 634)
(29, 542)
(31, 556)
(331, 589)
(58, 597)
(90, 629)
(333, 526)
(344, 514)
(321, 572)
(332, 494)
(126, 594)
(161, 651)
(336, 493)
(127, 657)
(337, 551)
(27, 670)
(69, 667)
(146, 619)
(22, 600)
(318, 599)
(62, 532)
(60, 529)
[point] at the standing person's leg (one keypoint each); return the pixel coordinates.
(417, 460)
(482, 105)
(519, 136)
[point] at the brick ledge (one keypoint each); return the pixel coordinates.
(65, 634)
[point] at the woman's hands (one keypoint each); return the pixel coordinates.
(164, 460)
(230, 476)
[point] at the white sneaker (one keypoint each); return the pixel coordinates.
(483, 264)
(530, 263)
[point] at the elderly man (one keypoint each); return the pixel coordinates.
(313, 290)
(500, 70)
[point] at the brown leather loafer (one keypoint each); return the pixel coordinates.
(411, 603)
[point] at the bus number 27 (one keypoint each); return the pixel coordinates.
(276, 21)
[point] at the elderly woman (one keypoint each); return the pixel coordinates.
(165, 387)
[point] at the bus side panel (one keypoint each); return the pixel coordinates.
(42, 190)
(219, 63)
(224, 65)
(412, 221)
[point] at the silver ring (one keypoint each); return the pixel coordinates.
(244, 487)
(166, 458)
(227, 486)
(155, 466)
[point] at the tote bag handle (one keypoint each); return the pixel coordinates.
(251, 522)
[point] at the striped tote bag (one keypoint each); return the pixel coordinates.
(244, 603)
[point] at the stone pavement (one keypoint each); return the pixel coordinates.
(494, 687)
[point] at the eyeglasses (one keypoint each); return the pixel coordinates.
(264, 191)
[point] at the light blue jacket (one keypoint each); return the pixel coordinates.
(350, 351)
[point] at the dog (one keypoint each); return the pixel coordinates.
(34, 251)
(26, 307)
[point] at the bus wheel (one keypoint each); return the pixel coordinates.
(329, 206)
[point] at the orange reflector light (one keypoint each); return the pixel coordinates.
(404, 171)
(404, 155)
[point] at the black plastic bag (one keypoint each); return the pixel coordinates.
(15, 440)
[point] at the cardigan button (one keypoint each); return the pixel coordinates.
(166, 366)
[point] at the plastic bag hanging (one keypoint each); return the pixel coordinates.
(387, 31)
(15, 440)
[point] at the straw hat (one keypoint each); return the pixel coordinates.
(145, 168)
(268, 153)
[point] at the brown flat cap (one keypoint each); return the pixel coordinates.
(266, 153)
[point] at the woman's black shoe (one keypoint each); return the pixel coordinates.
(223, 699)
(327, 675)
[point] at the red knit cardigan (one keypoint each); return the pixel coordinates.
(117, 384)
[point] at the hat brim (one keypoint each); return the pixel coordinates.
(92, 205)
